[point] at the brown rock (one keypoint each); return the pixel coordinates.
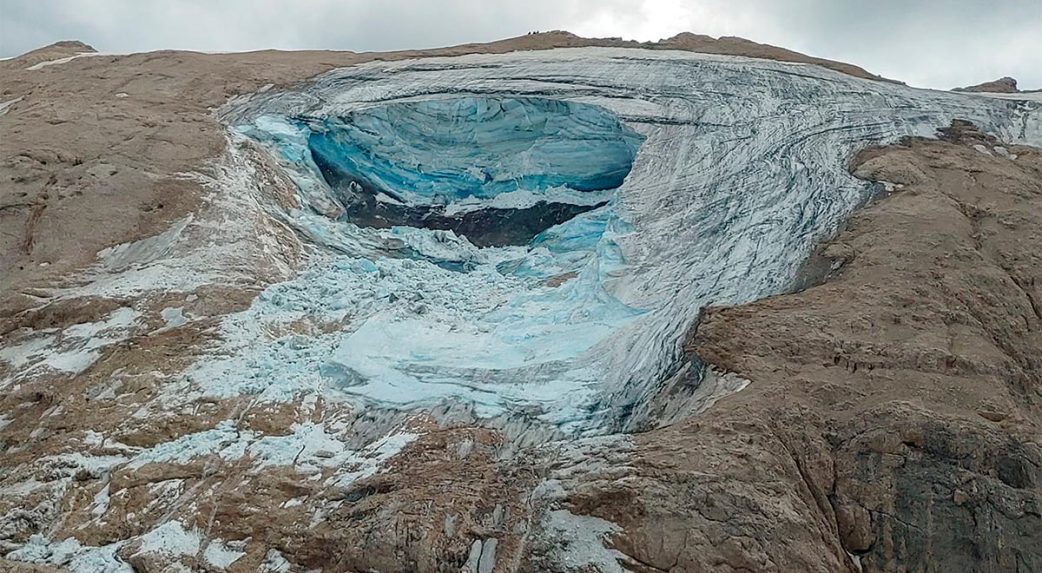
(855, 527)
(1005, 85)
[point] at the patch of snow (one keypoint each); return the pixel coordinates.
(173, 317)
(93, 439)
(308, 448)
(391, 445)
(137, 254)
(21, 488)
(369, 460)
(75, 462)
(294, 502)
(71, 555)
(30, 350)
(1005, 152)
(74, 349)
(188, 447)
(274, 562)
(523, 198)
(109, 391)
(6, 105)
(384, 198)
(164, 493)
(583, 540)
(65, 60)
(219, 555)
(171, 538)
(73, 361)
(101, 502)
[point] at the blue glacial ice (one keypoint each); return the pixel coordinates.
(427, 315)
(461, 151)
(650, 184)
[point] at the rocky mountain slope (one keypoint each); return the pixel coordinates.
(545, 304)
(1004, 85)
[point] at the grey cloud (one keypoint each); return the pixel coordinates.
(935, 43)
(930, 43)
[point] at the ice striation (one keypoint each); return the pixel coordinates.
(532, 234)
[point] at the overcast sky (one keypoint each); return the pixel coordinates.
(929, 43)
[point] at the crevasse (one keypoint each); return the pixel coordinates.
(648, 185)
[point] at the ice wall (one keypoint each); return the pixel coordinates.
(496, 170)
(741, 169)
(468, 149)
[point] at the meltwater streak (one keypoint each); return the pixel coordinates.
(742, 169)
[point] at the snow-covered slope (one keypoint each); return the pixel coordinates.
(741, 166)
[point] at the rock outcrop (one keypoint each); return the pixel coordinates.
(1004, 85)
(893, 419)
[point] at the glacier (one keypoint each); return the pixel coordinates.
(529, 236)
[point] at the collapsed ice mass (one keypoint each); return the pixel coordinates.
(484, 224)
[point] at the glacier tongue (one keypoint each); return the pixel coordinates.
(741, 168)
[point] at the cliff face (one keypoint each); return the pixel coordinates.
(402, 316)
